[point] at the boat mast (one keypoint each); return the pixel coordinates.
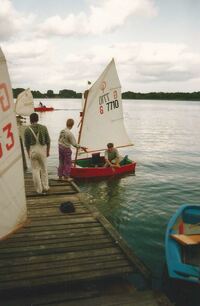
(86, 93)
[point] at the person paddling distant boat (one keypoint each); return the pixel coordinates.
(41, 105)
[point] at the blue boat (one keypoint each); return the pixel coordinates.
(182, 244)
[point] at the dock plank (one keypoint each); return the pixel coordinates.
(8, 263)
(47, 261)
(54, 247)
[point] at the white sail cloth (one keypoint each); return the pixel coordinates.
(103, 113)
(12, 200)
(24, 105)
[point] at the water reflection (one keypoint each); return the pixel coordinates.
(167, 146)
(107, 193)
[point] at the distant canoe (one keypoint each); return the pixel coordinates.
(43, 109)
(182, 244)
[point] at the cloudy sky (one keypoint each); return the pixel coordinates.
(57, 44)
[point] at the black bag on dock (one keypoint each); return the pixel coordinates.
(67, 207)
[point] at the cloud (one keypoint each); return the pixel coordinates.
(23, 50)
(160, 62)
(142, 66)
(58, 63)
(31, 63)
(114, 13)
(71, 25)
(11, 21)
(104, 17)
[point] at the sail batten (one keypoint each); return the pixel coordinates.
(103, 149)
(103, 119)
(12, 201)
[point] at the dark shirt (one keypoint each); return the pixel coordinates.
(29, 138)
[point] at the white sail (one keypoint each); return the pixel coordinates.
(103, 114)
(24, 105)
(12, 200)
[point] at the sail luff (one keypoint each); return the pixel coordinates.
(83, 115)
(81, 125)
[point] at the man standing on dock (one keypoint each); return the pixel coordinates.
(37, 143)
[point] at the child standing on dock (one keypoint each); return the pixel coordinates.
(65, 141)
(37, 143)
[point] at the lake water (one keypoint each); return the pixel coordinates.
(167, 151)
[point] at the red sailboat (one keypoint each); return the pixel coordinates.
(43, 109)
(102, 122)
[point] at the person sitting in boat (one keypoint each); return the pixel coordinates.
(65, 141)
(112, 156)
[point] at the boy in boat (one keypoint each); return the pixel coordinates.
(37, 143)
(112, 156)
(65, 141)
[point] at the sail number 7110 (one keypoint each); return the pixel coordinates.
(110, 104)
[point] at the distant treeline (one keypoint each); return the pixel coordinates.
(67, 93)
(163, 95)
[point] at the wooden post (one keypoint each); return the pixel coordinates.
(86, 93)
(23, 154)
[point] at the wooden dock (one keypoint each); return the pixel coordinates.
(70, 259)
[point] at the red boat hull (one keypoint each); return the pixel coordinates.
(43, 109)
(101, 172)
